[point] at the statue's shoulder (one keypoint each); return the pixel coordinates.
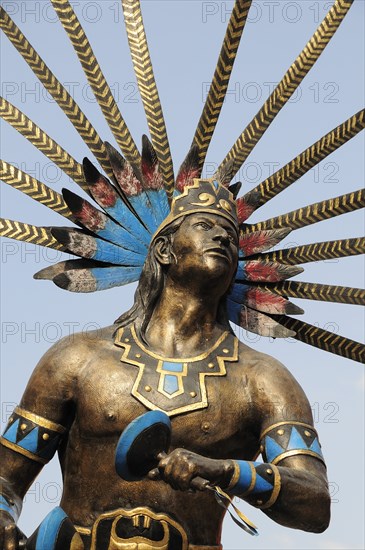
(270, 382)
(75, 351)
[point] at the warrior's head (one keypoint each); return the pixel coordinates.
(195, 247)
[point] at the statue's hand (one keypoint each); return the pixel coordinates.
(180, 469)
(10, 535)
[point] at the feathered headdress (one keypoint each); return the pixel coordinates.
(138, 192)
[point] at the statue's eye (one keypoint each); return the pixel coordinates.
(204, 225)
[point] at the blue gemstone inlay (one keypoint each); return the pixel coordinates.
(216, 184)
(170, 383)
(296, 441)
(30, 441)
(174, 367)
(272, 448)
(5, 506)
(11, 432)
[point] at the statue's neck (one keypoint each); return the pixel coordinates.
(183, 323)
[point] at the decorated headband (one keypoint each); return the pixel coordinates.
(139, 195)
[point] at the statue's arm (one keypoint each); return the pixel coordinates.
(34, 432)
(290, 485)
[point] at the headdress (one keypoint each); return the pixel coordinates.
(138, 193)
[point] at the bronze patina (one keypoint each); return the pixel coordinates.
(200, 266)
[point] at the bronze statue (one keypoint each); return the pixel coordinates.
(200, 265)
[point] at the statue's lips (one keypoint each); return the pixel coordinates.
(222, 252)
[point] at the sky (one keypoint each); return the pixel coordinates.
(185, 39)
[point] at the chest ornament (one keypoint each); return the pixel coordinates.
(174, 385)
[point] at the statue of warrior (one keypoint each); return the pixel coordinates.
(200, 265)
(174, 351)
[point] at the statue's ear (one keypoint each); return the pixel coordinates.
(163, 250)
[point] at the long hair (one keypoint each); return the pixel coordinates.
(150, 286)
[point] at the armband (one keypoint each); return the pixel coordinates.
(32, 436)
(7, 506)
(261, 482)
(286, 439)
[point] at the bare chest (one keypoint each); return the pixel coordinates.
(206, 399)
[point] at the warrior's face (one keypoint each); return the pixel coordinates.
(205, 249)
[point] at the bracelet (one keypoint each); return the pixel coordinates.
(6, 505)
(261, 481)
(285, 439)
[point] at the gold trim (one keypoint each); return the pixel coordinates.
(143, 511)
(276, 489)
(253, 480)
(235, 477)
(83, 530)
(294, 452)
(286, 422)
(203, 403)
(179, 375)
(179, 360)
(22, 451)
(40, 420)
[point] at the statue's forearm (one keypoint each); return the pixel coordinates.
(10, 501)
(292, 497)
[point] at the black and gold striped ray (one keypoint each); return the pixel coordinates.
(288, 84)
(147, 86)
(219, 85)
(306, 160)
(29, 233)
(316, 291)
(57, 91)
(33, 188)
(97, 81)
(323, 339)
(327, 250)
(314, 213)
(42, 142)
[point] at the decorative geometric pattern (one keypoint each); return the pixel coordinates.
(148, 89)
(287, 86)
(306, 160)
(258, 480)
(56, 89)
(97, 80)
(316, 212)
(315, 252)
(33, 188)
(220, 81)
(32, 436)
(42, 141)
(315, 291)
(286, 439)
(174, 385)
(29, 233)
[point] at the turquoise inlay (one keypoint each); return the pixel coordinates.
(315, 447)
(30, 441)
(174, 367)
(216, 184)
(11, 432)
(272, 448)
(49, 529)
(296, 441)
(170, 383)
(262, 485)
(5, 506)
